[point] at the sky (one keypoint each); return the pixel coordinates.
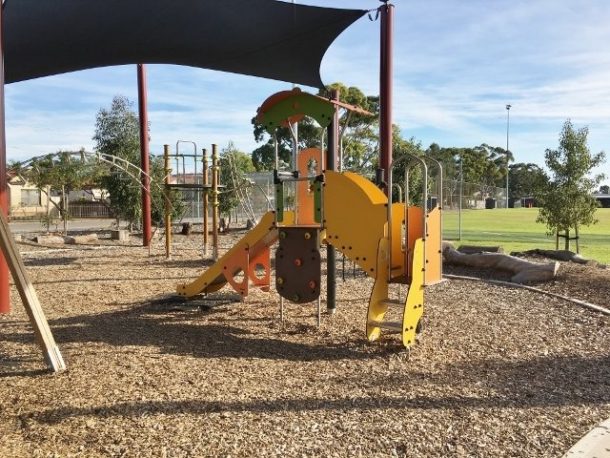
(457, 64)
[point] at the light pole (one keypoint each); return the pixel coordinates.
(507, 130)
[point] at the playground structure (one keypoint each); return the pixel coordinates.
(207, 187)
(34, 45)
(393, 242)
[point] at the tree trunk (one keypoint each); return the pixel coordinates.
(48, 222)
(64, 209)
(567, 240)
(524, 271)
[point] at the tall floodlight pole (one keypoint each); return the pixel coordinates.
(507, 129)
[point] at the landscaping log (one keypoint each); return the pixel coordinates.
(49, 240)
(524, 271)
(475, 249)
(560, 255)
(81, 239)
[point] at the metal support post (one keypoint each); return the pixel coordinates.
(461, 198)
(168, 206)
(508, 107)
(205, 201)
(215, 203)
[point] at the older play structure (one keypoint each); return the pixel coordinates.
(393, 242)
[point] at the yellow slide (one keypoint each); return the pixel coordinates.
(250, 252)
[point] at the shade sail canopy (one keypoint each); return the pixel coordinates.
(265, 38)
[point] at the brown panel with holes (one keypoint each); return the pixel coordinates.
(297, 264)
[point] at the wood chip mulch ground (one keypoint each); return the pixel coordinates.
(497, 371)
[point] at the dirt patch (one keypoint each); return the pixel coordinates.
(497, 371)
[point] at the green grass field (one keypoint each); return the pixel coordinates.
(515, 229)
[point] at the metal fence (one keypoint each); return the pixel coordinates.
(458, 194)
(89, 210)
(258, 200)
(261, 192)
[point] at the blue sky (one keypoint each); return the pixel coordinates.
(457, 64)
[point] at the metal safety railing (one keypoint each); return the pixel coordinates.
(411, 162)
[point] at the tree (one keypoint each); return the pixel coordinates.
(234, 165)
(358, 133)
(604, 189)
(401, 148)
(450, 159)
(526, 180)
(263, 157)
(566, 201)
(495, 162)
(117, 133)
(62, 173)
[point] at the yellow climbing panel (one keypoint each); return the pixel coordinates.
(412, 307)
(355, 216)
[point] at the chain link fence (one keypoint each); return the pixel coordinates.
(258, 198)
(473, 196)
(260, 193)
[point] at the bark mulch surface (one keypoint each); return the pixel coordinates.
(497, 371)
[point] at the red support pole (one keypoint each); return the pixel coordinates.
(144, 156)
(5, 297)
(385, 91)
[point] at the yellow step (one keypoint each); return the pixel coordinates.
(393, 303)
(394, 326)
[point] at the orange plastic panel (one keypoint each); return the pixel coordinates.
(434, 256)
(305, 196)
(398, 239)
(415, 230)
(262, 258)
(234, 265)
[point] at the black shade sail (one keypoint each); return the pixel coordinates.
(266, 38)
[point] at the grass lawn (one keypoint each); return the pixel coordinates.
(515, 229)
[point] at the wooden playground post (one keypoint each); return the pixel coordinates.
(168, 207)
(205, 201)
(215, 203)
